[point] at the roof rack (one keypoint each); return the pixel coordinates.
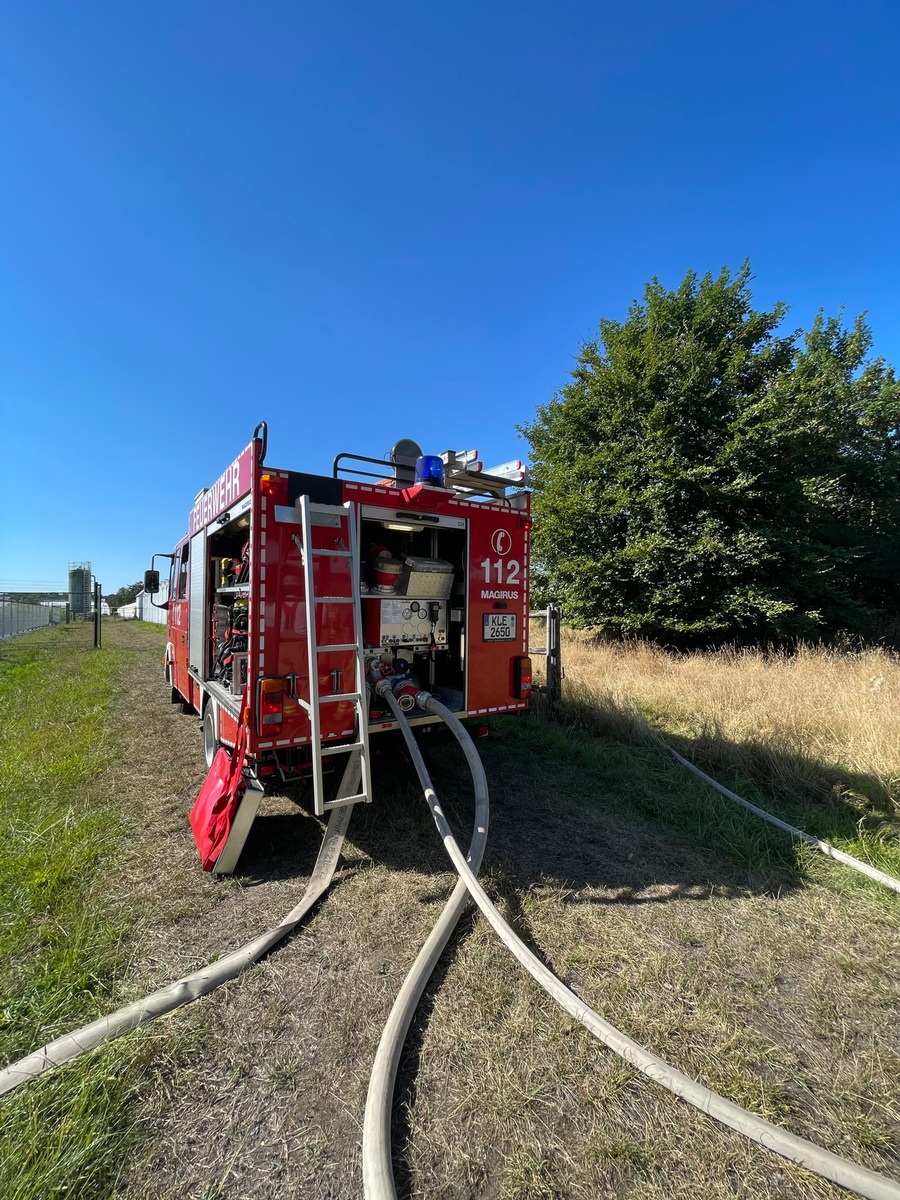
(461, 472)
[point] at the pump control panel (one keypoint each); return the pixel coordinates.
(404, 621)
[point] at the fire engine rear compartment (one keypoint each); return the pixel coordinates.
(424, 629)
(307, 590)
(436, 645)
(223, 655)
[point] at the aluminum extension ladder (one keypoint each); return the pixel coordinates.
(342, 519)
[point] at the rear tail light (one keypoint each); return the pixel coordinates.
(273, 486)
(522, 677)
(271, 706)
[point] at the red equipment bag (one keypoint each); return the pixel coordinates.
(219, 798)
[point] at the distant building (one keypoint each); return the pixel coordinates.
(142, 608)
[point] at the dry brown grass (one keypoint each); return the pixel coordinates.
(811, 719)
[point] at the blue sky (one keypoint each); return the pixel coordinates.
(361, 221)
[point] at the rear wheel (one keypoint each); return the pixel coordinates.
(211, 741)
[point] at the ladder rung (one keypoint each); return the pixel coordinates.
(345, 801)
(335, 696)
(335, 525)
(341, 748)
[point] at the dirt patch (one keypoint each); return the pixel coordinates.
(780, 993)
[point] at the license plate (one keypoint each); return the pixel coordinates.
(499, 627)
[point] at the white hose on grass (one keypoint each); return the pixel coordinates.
(823, 847)
(772, 1137)
(378, 1172)
(190, 987)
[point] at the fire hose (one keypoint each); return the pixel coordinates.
(378, 1176)
(377, 1170)
(190, 987)
(825, 848)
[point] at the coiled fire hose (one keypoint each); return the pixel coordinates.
(190, 987)
(379, 1182)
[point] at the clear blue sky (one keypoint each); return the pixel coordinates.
(360, 221)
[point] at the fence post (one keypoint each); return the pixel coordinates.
(554, 654)
(97, 602)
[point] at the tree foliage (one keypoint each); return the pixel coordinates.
(124, 595)
(704, 476)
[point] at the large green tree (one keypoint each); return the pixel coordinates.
(704, 476)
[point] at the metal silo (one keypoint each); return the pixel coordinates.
(80, 589)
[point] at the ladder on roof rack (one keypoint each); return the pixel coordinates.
(341, 518)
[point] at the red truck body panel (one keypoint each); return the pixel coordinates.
(245, 529)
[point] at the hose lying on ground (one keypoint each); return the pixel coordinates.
(191, 987)
(378, 1174)
(823, 847)
(815, 1158)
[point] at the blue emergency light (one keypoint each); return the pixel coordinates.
(430, 469)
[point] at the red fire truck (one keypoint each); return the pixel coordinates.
(292, 595)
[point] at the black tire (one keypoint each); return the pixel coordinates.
(176, 695)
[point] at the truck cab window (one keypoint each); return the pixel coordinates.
(183, 572)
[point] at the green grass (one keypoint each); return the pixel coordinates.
(687, 923)
(638, 778)
(628, 747)
(60, 937)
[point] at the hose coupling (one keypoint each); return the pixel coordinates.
(407, 693)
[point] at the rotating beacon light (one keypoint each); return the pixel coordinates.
(430, 469)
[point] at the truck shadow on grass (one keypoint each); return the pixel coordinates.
(584, 810)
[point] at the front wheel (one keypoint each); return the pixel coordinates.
(211, 741)
(176, 695)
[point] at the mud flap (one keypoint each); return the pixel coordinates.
(221, 799)
(241, 821)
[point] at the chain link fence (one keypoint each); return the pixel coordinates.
(23, 613)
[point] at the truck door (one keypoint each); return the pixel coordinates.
(178, 618)
(198, 625)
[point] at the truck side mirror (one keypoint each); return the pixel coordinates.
(151, 582)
